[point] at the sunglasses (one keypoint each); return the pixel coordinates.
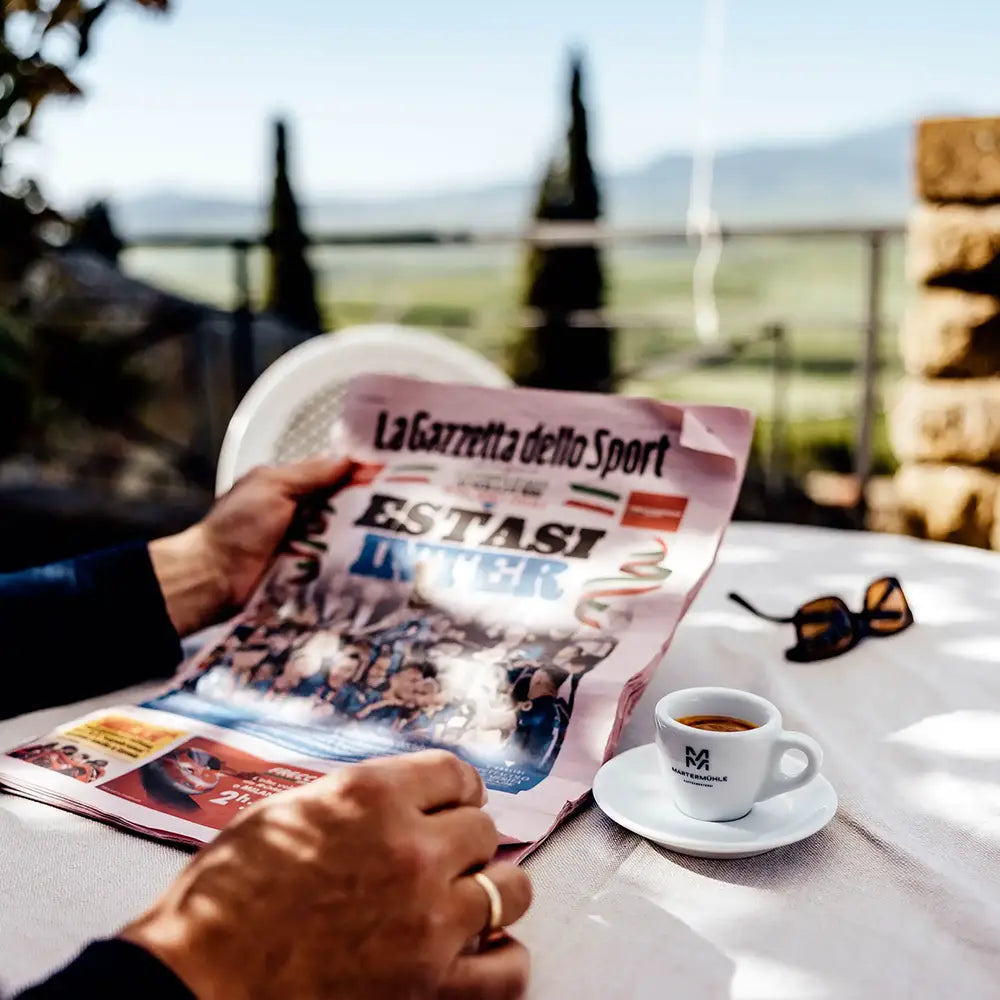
(827, 627)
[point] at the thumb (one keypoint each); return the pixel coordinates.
(314, 474)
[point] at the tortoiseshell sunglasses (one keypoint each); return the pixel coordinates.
(827, 627)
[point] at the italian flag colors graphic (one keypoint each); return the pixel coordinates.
(593, 498)
(648, 511)
(410, 474)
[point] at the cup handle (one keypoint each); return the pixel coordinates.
(778, 783)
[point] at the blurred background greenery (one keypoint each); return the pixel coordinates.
(123, 351)
(815, 286)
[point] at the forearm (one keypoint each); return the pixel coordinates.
(191, 580)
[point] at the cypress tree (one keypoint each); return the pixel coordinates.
(567, 279)
(291, 287)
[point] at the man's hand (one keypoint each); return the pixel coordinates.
(214, 566)
(355, 887)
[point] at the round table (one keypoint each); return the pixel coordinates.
(898, 897)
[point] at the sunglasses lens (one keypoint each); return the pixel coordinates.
(824, 617)
(825, 628)
(886, 605)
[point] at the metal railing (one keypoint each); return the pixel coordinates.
(874, 237)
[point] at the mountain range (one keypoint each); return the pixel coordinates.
(862, 177)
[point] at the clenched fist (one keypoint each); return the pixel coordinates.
(355, 887)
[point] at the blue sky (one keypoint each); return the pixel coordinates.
(391, 96)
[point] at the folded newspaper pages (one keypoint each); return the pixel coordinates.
(500, 577)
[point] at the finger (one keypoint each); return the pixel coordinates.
(435, 779)
(473, 902)
(499, 972)
(468, 838)
(313, 474)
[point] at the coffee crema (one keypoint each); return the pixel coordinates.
(717, 723)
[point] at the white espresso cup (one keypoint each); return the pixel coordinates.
(720, 775)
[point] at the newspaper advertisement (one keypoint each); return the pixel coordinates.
(499, 577)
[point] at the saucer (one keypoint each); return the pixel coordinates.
(632, 790)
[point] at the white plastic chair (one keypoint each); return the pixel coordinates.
(288, 412)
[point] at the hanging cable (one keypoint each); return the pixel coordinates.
(702, 220)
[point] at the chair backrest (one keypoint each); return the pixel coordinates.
(289, 411)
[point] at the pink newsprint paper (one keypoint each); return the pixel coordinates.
(500, 577)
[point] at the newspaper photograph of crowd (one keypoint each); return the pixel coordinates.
(348, 651)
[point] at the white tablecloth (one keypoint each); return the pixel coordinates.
(898, 898)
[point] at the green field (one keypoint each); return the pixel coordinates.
(815, 287)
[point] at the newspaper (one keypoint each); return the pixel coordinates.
(499, 577)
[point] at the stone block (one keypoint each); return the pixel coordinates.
(883, 513)
(995, 533)
(958, 160)
(955, 246)
(948, 503)
(947, 420)
(952, 334)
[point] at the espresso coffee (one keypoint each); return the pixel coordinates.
(717, 723)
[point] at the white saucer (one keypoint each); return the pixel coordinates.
(632, 791)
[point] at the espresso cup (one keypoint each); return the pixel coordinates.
(719, 775)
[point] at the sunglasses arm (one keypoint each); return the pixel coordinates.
(760, 614)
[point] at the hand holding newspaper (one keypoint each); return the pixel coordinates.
(500, 578)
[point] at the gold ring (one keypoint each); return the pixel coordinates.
(495, 921)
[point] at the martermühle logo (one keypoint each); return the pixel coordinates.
(699, 760)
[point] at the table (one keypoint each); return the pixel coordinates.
(898, 898)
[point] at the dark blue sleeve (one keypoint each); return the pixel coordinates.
(80, 628)
(111, 969)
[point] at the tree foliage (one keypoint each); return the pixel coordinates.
(51, 377)
(291, 286)
(41, 45)
(565, 284)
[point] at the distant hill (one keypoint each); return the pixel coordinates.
(860, 177)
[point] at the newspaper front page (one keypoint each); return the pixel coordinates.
(500, 577)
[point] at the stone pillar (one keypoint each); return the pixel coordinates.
(945, 424)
